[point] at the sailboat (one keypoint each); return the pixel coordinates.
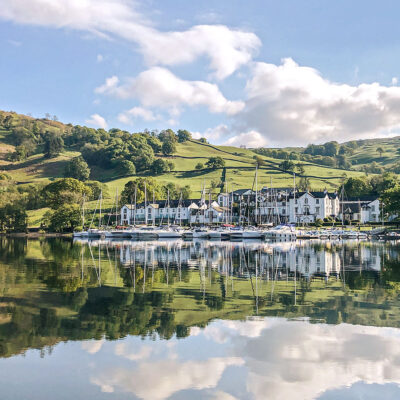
(169, 232)
(82, 233)
(96, 232)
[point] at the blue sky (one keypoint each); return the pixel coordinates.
(254, 72)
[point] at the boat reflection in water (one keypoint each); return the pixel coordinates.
(214, 320)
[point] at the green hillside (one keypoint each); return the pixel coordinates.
(23, 159)
(239, 165)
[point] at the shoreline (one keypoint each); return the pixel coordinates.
(36, 235)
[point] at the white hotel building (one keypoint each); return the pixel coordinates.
(273, 205)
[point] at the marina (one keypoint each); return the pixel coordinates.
(281, 232)
(100, 316)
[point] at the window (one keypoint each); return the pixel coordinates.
(296, 209)
(372, 208)
(317, 210)
(317, 201)
(306, 200)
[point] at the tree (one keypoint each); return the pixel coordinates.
(19, 154)
(304, 184)
(154, 142)
(300, 169)
(96, 188)
(287, 166)
(53, 145)
(160, 166)
(126, 168)
(176, 191)
(168, 148)
(167, 135)
(67, 190)
(355, 187)
(199, 166)
(184, 135)
(13, 217)
(380, 151)
(215, 162)
(384, 182)
(259, 161)
(203, 140)
(152, 188)
(342, 162)
(77, 168)
(331, 148)
(8, 121)
(65, 218)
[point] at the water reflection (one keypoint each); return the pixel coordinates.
(262, 358)
(242, 320)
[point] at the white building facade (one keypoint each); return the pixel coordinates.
(275, 206)
(185, 212)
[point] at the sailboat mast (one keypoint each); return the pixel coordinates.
(168, 206)
(116, 208)
(154, 214)
(145, 203)
(342, 208)
(101, 200)
(83, 212)
(209, 209)
(256, 216)
(240, 210)
(294, 198)
(134, 214)
(180, 210)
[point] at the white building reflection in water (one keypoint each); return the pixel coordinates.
(281, 260)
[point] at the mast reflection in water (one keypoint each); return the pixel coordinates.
(220, 320)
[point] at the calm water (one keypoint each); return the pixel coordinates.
(199, 320)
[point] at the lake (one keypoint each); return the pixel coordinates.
(199, 320)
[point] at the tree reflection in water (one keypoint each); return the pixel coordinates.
(55, 290)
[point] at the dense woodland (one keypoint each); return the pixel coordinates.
(143, 156)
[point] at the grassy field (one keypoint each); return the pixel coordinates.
(238, 173)
(366, 152)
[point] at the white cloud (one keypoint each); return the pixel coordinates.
(121, 349)
(300, 360)
(225, 135)
(248, 139)
(227, 49)
(220, 395)
(92, 346)
(215, 134)
(158, 87)
(291, 104)
(128, 116)
(97, 120)
(108, 86)
(395, 81)
(176, 376)
(99, 58)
